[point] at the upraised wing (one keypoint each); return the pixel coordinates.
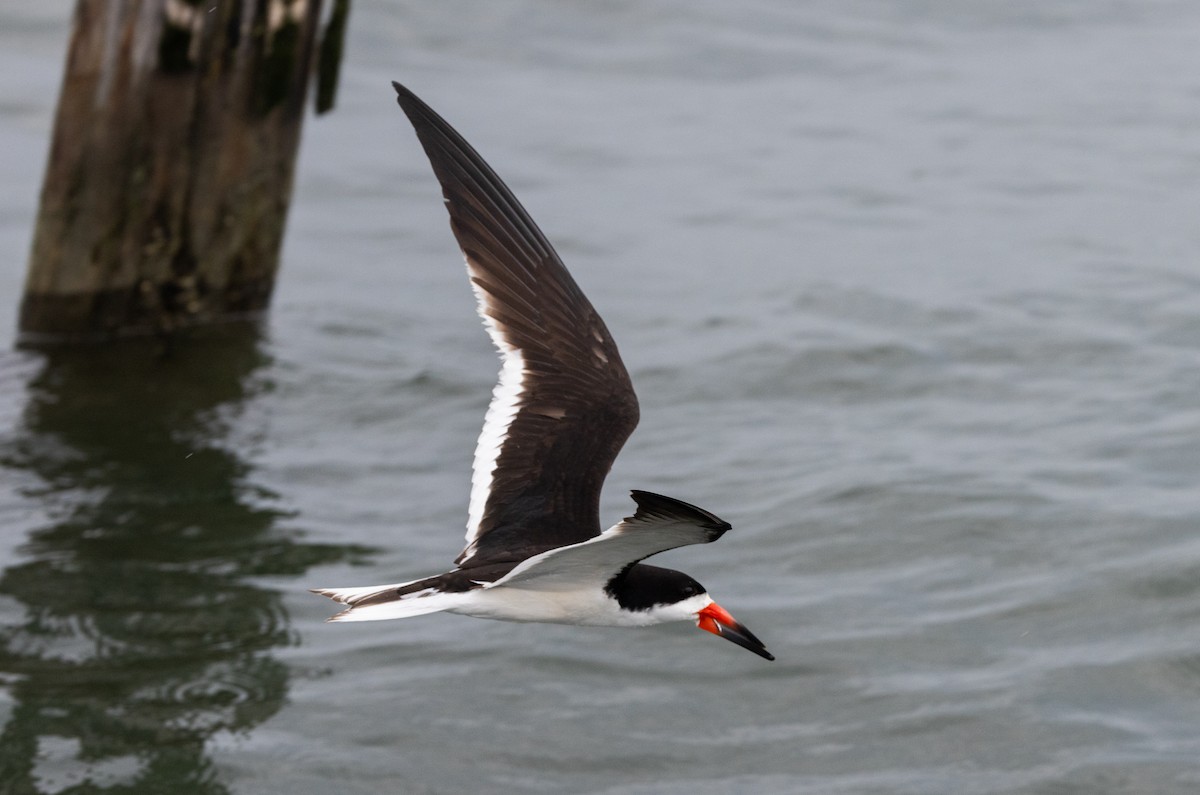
(564, 405)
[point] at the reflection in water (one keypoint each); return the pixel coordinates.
(141, 637)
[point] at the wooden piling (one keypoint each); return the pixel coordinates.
(170, 169)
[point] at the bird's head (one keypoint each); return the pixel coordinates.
(674, 596)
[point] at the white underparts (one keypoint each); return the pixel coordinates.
(587, 606)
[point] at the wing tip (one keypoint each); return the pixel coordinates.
(657, 506)
(409, 102)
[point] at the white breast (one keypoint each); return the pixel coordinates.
(587, 607)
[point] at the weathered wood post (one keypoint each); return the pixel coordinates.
(171, 164)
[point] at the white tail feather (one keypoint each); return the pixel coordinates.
(351, 596)
(417, 603)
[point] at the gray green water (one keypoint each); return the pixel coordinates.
(910, 294)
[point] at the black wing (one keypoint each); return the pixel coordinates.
(659, 523)
(564, 405)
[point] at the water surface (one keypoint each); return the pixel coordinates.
(910, 296)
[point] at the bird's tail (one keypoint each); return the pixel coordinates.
(380, 602)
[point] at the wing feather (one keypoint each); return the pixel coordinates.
(659, 523)
(564, 404)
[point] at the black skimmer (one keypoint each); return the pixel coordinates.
(560, 413)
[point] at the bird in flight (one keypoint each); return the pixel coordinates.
(562, 410)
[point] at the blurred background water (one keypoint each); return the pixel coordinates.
(910, 294)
